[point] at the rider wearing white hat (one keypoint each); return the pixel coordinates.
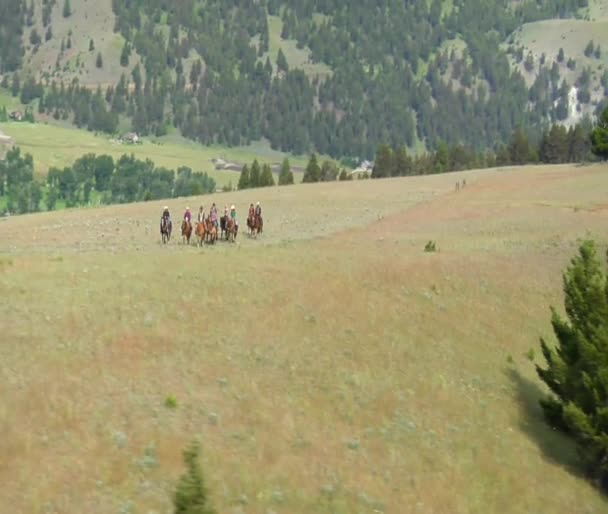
(188, 215)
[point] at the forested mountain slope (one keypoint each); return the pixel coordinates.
(338, 77)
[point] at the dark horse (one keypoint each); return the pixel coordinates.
(223, 226)
(186, 231)
(165, 229)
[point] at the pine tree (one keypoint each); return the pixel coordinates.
(244, 178)
(191, 494)
(99, 61)
(282, 61)
(329, 171)
(254, 174)
(67, 9)
(91, 46)
(49, 33)
(403, 163)
(589, 49)
(383, 164)
(266, 178)
(286, 175)
(125, 54)
(313, 171)
(560, 55)
(577, 370)
(599, 136)
(519, 148)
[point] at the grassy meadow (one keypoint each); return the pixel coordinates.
(330, 366)
(52, 145)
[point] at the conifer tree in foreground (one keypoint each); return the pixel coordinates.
(191, 494)
(577, 369)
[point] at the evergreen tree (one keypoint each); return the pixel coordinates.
(286, 175)
(244, 178)
(578, 144)
(577, 370)
(312, 173)
(191, 494)
(91, 46)
(266, 178)
(554, 146)
(125, 55)
(519, 148)
(383, 165)
(255, 174)
(51, 198)
(345, 176)
(99, 61)
(598, 52)
(403, 163)
(599, 136)
(67, 9)
(560, 55)
(329, 171)
(282, 61)
(589, 49)
(49, 33)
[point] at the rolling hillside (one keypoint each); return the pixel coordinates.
(330, 366)
(306, 76)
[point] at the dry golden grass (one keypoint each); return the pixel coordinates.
(347, 373)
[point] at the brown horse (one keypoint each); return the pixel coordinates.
(231, 230)
(200, 231)
(255, 225)
(186, 231)
(211, 231)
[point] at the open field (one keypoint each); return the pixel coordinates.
(57, 146)
(347, 373)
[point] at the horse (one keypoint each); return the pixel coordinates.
(231, 229)
(200, 231)
(211, 231)
(255, 225)
(186, 231)
(165, 229)
(223, 224)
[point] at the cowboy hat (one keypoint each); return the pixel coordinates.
(232, 207)
(257, 203)
(166, 208)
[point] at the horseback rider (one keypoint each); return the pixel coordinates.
(188, 216)
(258, 210)
(251, 212)
(166, 216)
(201, 214)
(233, 215)
(213, 214)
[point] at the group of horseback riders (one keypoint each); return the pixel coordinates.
(210, 224)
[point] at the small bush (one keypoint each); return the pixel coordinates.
(530, 354)
(510, 359)
(170, 402)
(191, 494)
(431, 246)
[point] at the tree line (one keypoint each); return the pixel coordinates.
(556, 145)
(94, 176)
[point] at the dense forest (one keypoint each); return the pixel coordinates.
(396, 77)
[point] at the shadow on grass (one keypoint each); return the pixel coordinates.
(554, 445)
